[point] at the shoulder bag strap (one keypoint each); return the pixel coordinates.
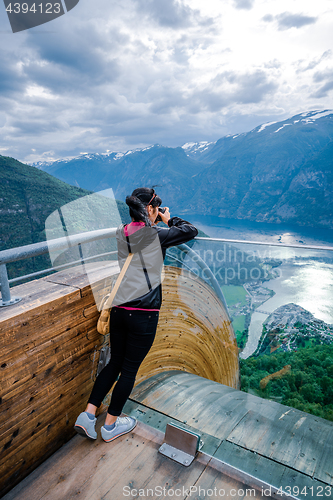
(109, 301)
(145, 270)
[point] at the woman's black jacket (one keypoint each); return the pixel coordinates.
(141, 285)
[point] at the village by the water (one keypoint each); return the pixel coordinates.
(287, 328)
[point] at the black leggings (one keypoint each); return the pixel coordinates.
(132, 334)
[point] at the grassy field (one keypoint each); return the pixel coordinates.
(239, 327)
(234, 294)
(239, 323)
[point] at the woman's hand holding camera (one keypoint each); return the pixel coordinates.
(165, 215)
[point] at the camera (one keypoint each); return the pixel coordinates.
(158, 218)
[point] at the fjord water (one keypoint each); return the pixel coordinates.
(305, 276)
(217, 227)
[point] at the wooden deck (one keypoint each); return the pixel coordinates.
(253, 448)
(128, 467)
(291, 438)
(50, 350)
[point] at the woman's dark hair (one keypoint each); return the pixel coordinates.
(137, 202)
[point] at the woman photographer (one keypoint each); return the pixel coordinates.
(135, 311)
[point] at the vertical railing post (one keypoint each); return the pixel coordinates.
(6, 299)
(5, 290)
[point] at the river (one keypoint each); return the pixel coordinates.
(307, 282)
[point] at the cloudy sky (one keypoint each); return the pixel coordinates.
(119, 74)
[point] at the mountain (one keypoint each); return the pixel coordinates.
(277, 172)
(123, 171)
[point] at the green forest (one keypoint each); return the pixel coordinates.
(308, 386)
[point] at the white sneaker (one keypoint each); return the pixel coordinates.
(122, 426)
(85, 426)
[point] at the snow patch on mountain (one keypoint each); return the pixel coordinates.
(118, 156)
(265, 125)
(196, 147)
(113, 155)
(284, 125)
(315, 115)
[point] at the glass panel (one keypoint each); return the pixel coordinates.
(280, 301)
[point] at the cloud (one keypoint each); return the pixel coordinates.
(2, 119)
(327, 78)
(243, 4)
(273, 64)
(268, 18)
(304, 66)
(11, 58)
(247, 87)
(120, 75)
(225, 90)
(75, 59)
(324, 90)
(287, 20)
(172, 14)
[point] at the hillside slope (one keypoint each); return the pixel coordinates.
(27, 197)
(280, 174)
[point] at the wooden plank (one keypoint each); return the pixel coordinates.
(47, 319)
(46, 356)
(104, 461)
(324, 466)
(29, 427)
(56, 468)
(266, 471)
(26, 392)
(41, 323)
(194, 334)
(289, 436)
(151, 472)
(83, 276)
(45, 443)
(31, 422)
(159, 422)
(249, 462)
(91, 311)
(49, 368)
(133, 462)
(36, 293)
(303, 487)
(40, 414)
(196, 401)
(95, 470)
(46, 345)
(143, 389)
(285, 438)
(51, 359)
(215, 483)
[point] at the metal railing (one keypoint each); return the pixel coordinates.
(42, 248)
(64, 243)
(269, 244)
